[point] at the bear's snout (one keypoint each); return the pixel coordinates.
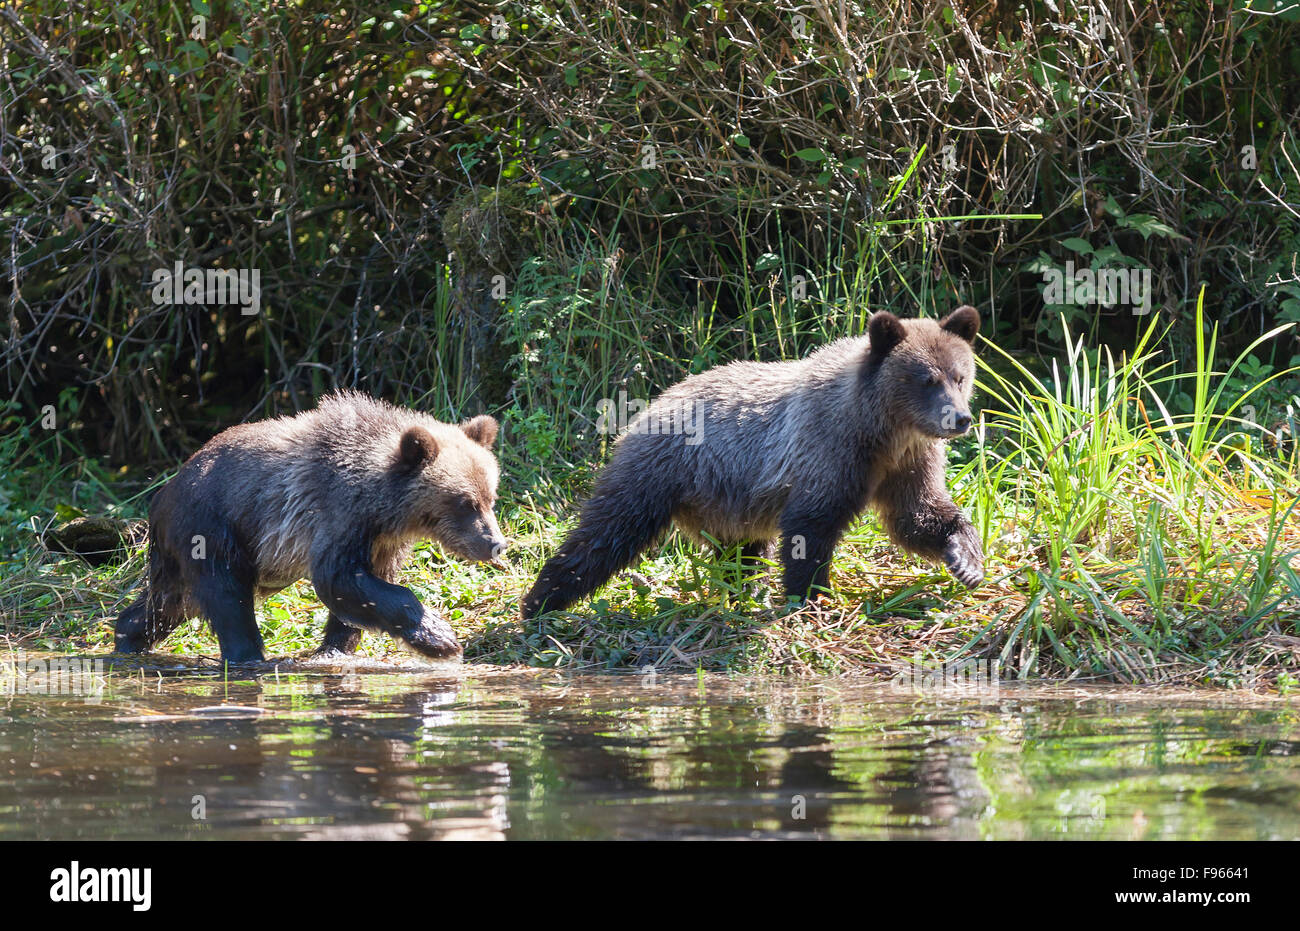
(953, 420)
(497, 557)
(480, 540)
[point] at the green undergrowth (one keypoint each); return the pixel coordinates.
(1127, 540)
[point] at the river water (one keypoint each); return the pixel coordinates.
(164, 751)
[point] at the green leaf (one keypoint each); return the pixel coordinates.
(1108, 255)
(1037, 266)
(740, 141)
(193, 48)
(811, 155)
(1081, 246)
(1149, 226)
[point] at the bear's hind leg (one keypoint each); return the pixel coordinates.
(754, 556)
(128, 632)
(137, 629)
(228, 606)
(156, 613)
(223, 591)
(339, 637)
(613, 530)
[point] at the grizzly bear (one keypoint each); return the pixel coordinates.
(795, 449)
(338, 494)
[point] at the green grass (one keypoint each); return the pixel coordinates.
(1125, 540)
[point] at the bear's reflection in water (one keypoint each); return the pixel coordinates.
(478, 752)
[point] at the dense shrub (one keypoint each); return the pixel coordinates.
(787, 139)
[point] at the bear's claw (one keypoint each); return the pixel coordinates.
(433, 638)
(965, 559)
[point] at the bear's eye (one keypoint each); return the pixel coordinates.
(932, 380)
(464, 505)
(958, 380)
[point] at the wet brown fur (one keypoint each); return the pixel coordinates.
(338, 494)
(793, 450)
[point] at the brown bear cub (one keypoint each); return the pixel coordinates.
(795, 449)
(338, 494)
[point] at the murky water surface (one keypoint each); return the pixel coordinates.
(479, 752)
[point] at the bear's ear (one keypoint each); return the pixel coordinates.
(482, 430)
(963, 322)
(416, 448)
(885, 332)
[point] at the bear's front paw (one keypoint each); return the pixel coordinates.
(433, 638)
(964, 558)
